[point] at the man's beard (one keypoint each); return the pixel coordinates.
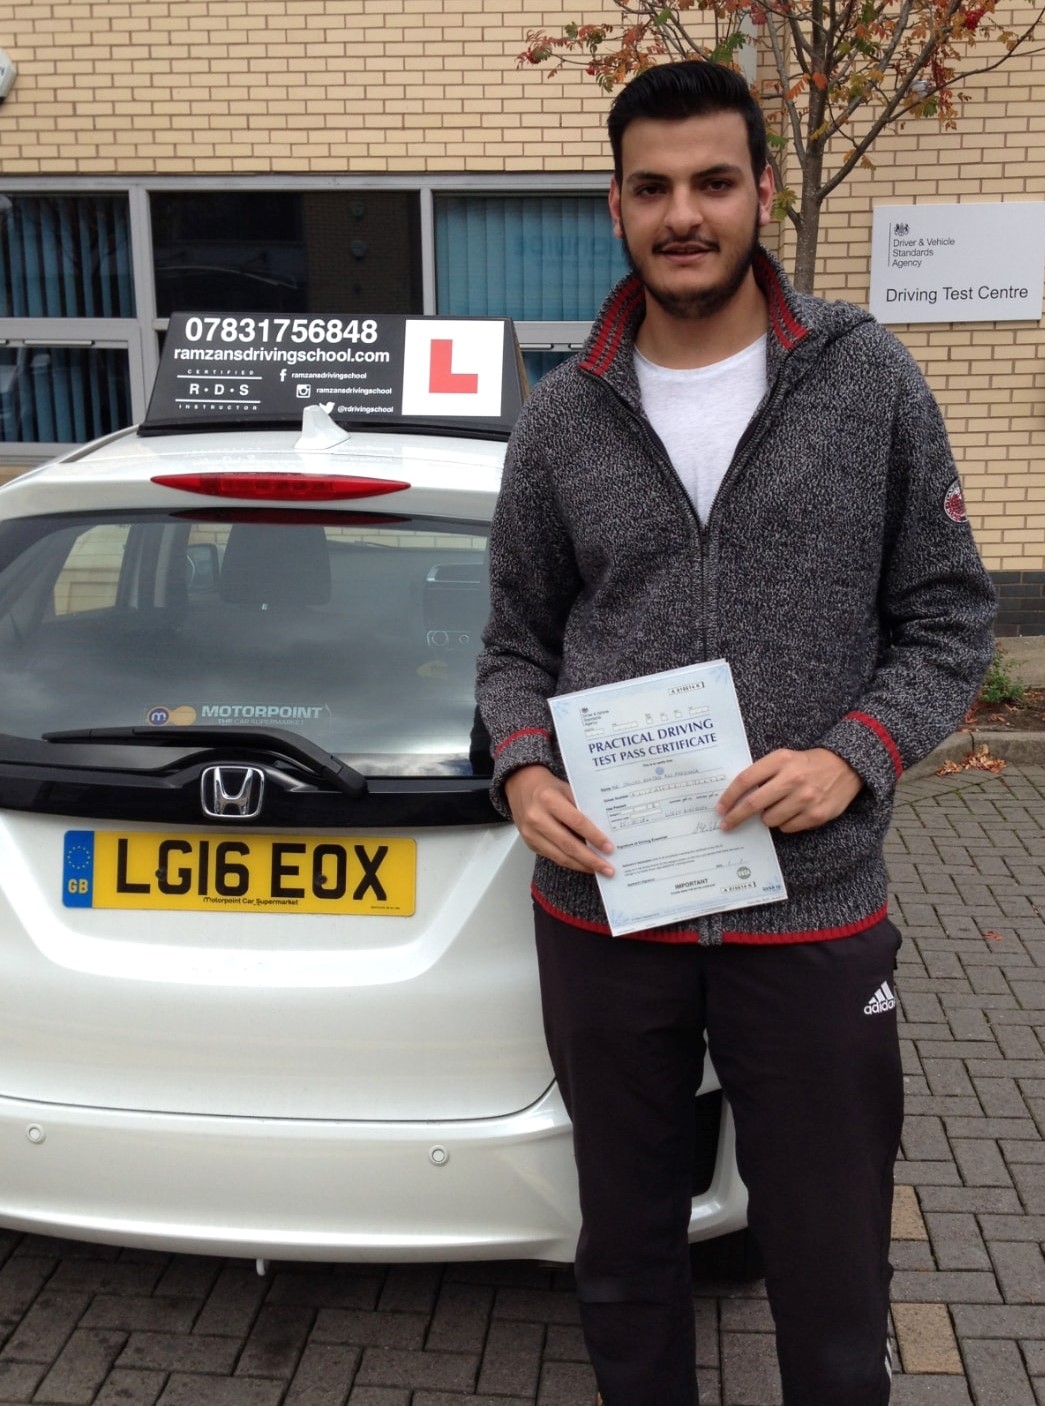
(703, 302)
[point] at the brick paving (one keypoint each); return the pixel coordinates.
(84, 1325)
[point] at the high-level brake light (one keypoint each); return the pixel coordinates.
(281, 487)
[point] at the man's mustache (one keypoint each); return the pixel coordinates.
(684, 246)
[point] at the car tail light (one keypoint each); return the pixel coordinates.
(281, 487)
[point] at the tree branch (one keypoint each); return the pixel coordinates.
(791, 111)
(840, 29)
(786, 13)
(893, 111)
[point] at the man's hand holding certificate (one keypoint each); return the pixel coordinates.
(791, 791)
(648, 761)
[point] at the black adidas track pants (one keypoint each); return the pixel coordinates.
(803, 1038)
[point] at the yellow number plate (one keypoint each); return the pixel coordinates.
(240, 873)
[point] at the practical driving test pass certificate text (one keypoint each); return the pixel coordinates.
(647, 760)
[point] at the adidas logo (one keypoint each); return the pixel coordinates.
(882, 1000)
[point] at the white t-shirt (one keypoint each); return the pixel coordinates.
(700, 414)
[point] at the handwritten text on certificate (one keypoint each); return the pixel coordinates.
(647, 760)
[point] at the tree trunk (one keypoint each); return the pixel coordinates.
(808, 228)
(808, 234)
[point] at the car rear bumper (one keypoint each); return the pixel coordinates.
(500, 1188)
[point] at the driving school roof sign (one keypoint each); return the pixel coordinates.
(450, 374)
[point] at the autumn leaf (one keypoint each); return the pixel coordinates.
(976, 759)
(980, 759)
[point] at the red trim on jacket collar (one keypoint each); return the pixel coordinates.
(613, 327)
(786, 327)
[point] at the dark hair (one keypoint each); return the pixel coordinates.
(671, 92)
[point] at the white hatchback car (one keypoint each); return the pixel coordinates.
(267, 986)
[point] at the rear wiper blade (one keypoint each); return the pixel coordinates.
(278, 739)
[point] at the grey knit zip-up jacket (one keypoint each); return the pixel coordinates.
(836, 573)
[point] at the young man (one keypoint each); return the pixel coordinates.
(731, 469)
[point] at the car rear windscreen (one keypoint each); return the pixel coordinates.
(357, 632)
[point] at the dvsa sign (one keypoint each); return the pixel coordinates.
(453, 368)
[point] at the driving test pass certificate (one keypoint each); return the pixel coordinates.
(647, 760)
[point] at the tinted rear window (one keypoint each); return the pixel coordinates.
(359, 634)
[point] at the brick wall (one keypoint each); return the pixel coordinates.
(287, 86)
(291, 86)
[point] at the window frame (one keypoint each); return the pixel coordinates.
(139, 336)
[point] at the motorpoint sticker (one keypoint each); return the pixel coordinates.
(185, 715)
(262, 712)
(161, 716)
